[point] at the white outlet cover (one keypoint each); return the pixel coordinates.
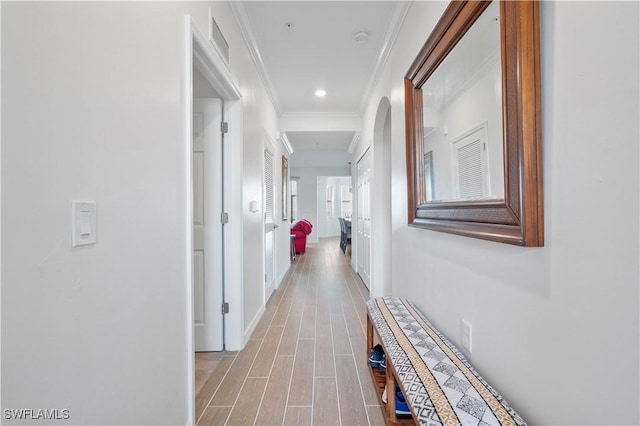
(465, 334)
(83, 223)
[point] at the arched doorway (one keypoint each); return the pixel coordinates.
(381, 202)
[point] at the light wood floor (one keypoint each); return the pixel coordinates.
(306, 361)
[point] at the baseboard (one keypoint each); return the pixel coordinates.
(282, 276)
(269, 291)
(253, 324)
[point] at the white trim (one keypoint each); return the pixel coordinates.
(269, 145)
(187, 110)
(233, 204)
(198, 51)
(233, 231)
(354, 143)
(240, 13)
(272, 288)
(253, 324)
(212, 65)
(0, 200)
(395, 24)
(215, 71)
(285, 143)
(282, 276)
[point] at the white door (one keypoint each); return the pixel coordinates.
(364, 218)
(269, 226)
(207, 226)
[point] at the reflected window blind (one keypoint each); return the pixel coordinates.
(470, 170)
(268, 186)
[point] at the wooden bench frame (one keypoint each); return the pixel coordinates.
(390, 379)
(468, 399)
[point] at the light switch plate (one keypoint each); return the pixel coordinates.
(83, 223)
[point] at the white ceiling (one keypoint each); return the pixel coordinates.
(317, 140)
(319, 51)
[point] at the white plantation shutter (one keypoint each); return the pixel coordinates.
(268, 186)
(471, 170)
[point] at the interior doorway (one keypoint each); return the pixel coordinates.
(269, 222)
(333, 202)
(208, 324)
(381, 202)
(363, 261)
(212, 80)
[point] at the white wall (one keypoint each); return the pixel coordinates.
(307, 193)
(93, 96)
(0, 203)
(259, 119)
(555, 329)
(108, 112)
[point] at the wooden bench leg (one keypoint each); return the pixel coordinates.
(369, 336)
(391, 395)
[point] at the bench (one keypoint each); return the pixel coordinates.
(438, 383)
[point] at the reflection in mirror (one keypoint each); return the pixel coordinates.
(428, 177)
(462, 118)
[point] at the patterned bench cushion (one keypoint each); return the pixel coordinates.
(439, 383)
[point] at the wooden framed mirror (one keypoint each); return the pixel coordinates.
(473, 127)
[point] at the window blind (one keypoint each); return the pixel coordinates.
(470, 176)
(268, 186)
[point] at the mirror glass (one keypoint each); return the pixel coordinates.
(462, 118)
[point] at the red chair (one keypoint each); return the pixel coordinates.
(301, 229)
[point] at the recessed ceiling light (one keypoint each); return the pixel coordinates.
(321, 93)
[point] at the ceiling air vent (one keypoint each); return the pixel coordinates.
(218, 40)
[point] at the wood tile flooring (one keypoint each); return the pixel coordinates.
(306, 361)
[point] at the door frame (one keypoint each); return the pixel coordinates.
(209, 335)
(199, 52)
(269, 144)
(368, 151)
(380, 200)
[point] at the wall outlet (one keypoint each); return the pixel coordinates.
(465, 335)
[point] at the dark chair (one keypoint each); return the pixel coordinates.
(345, 234)
(347, 226)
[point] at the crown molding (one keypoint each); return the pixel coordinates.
(354, 142)
(393, 29)
(285, 142)
(242, 17)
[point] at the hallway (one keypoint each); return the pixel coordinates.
(305, 362)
